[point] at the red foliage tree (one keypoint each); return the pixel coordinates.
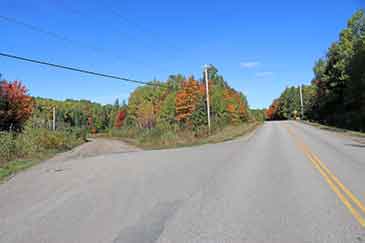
(16, 105)
(272, 112)
(119, 119)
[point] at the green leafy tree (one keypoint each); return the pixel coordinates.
(338, 79)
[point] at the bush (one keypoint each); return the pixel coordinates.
(33, 142)
(125, 131)
(7, 147)
(79, 133)
(150, 135)
(15, 105)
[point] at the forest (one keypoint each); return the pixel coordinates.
(170, 113)
(178, 103)
(336, 94)
(181, 103)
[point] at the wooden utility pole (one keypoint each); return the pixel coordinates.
(301, 102)
(207, 94)
(54, 119)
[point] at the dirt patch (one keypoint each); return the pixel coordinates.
(95, 147)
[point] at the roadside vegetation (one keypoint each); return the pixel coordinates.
(158, 139)
(176, 115)
(336, 95)
(168, 114)
(21, 150)
(25, 138)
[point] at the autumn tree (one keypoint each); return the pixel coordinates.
(144, 105)
(272, 112)
(15, 105)
(119, 119)
(236, 106)
(187, 99)
(167, 114)
(145, 115)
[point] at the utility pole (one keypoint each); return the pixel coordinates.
(54, 119)
(301, 101)
(207, 93)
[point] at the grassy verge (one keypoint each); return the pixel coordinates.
(335, 129)
(19, 151)
(9, 169)
(231, 132)
(183, 138)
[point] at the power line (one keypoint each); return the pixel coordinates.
(143, 29)
(78, 70)
(136, 26)
(58, 36)
(94, 48)
(46, 32)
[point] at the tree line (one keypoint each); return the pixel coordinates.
(78, 113)
(288, 105)
(336, 95)
(182, 104)
(18, 107)
(177, 103)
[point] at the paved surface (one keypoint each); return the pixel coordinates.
(95, 147)
(266, 187)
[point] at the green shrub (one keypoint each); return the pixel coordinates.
(150, 135)
(125, 131)
(169, 138)
(33, 142)
(52, 140)
(27, 143)
(79, 133)
(7, 148)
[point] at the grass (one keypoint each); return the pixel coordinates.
(335, 129)
(13, 167)
(9, 169)
(185, 138)
(19, 151)
(149, 140)
(230, 133)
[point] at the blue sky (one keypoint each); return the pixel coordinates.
(260, 47)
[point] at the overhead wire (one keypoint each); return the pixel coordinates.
(64, 38)
(69, 68)
(49, 33)
(136, 26)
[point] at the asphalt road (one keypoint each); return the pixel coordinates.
(286, 182)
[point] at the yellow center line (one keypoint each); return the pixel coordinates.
(357, 202)
(334, 178)
(335, 184)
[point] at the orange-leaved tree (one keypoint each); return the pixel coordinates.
(233, 105)
(187, 99)
(272, 112)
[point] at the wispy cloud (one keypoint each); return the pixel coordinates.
(264, 74)
(249, 64)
